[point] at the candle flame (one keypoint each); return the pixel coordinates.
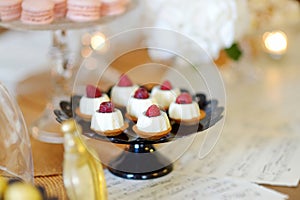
(275, 42)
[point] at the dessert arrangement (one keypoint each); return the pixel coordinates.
(128, 112)
(140, 117)
(47, 11)
(142, 108)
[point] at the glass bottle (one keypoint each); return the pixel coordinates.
(82, 172)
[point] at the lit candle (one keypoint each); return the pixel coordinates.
(275, 43)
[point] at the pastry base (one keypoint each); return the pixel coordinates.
(83, 116)
(114, 132)
(132, 118)
(192, 121)
(150, 135)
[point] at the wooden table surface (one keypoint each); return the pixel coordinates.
(32, 95)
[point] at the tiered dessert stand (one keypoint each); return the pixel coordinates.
(46, 129)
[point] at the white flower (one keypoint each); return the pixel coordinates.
(211, 24)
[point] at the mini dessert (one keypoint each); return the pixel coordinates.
(60, 8)
(121, 92)
(90, 103)
(138, 103)
(164, 94)
(37, 12)
(185, 110)
(108, 120)
(10, 10)
(112, 7)
(152, 124)
(83, 11)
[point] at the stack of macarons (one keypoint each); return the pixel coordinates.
(60, 8)
(88, 10)
(10, 10)
(113, 7)
(83, 10)
(37, 12)
(46, 11)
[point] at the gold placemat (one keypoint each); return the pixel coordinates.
(47, 158)
(53, 185)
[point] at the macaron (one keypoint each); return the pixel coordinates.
(112, 7)
(60, 8)
(37, 12)
(10, 10)
(83, 10)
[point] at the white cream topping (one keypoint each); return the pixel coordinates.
(135, 107)
(120, 95)
(153, 124)
(184, 111)
(164, 97)
(107, 121)
(88, 105)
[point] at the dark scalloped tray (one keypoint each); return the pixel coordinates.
(211, 107)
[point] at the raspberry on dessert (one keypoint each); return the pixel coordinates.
(141, 93)
(184, 98)
(166, 85)
(153, 111)
(93, 92)
(124, 81)
(106, 107)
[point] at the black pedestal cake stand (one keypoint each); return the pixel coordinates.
(140, 160)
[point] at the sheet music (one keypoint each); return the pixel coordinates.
(261, 158)
(179, 186)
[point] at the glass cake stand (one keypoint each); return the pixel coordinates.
(45, 128)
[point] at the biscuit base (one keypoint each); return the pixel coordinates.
(151, 135)
(192, 121)
(110, 133)
(83, 116)
(130, 117)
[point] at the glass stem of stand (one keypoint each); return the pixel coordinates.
(61, 68)
(46, 128)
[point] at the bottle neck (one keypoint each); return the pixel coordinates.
(73, 144)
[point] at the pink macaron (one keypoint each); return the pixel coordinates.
(83, 10)
(60, 8)
(112, 7)
(37, 12)
(10, 10)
